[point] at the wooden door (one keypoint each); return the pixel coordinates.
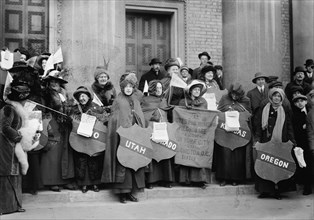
(24, 23)
(147, 37)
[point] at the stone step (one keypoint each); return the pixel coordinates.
(106, 195)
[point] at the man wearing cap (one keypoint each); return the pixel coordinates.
(204, 58)
(152, 74)
(258, 94)
(299, 81)
(309, 67)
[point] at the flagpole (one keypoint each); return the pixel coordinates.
(47, 107)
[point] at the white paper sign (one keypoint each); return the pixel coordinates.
(232, 120)
(211, 101)
(6, 59)
(160, 133)
(86, 125)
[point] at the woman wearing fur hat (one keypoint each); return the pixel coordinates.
(13, 159)
(155, 109)
(193, 99)
(126, 111)
(103, 91)
(57, 165)
(233, 165)
(87, 169)
(208, 75)
(275, 122)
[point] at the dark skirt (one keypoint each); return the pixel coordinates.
(266, 186)
(32, 180)
(229, 165)
(11, 193)
(130, 184)
(88, 169)
(161, 171)
(189, 175)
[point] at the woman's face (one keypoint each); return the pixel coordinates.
(158, 89)
(196, 91)
(128, 90)
(184, 73)
(102, 79)
(43, 64)
(55, 85)
(83, 99)
(235, 96)
(173, 70)
(209, 75)
(276, 98)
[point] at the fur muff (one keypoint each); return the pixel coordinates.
(30, 137)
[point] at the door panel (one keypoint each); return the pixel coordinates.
(25, 24)
(147, 37)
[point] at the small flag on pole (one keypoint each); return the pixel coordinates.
(57, 57)
(145, 90)
(49, 65)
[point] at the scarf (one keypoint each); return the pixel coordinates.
(277, 132)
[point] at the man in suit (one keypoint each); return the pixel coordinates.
(204, 58)
(309, 67)
(257, 95)
(154, 73)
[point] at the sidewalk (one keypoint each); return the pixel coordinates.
(293, 206)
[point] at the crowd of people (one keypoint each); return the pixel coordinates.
(270, 111)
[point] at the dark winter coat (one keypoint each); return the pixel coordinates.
(106, 93)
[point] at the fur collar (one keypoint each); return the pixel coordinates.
(97, 88)
(19, 108)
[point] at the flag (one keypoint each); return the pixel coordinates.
(179, 61)
(177, 81)
(57, 56)
(145, 90)
(7, 59)
(8, 81)
(49, 65)
(97, 100)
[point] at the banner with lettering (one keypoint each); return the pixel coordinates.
(135, 149)
(168, 149)
(195, 136)
(274, 161)
(233, 139)
(88, 145)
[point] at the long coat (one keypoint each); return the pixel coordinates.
(105, 93)
(266, 186)
(124, 110)
(10, 177)
(233, 165)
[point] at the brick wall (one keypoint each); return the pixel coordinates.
(286, 56)
(203, 30)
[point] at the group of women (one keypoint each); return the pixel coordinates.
(57, 165)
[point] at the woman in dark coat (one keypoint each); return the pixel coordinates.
(126, 111)
(88, 169)
(10, 174)
(269, 129)
(193, 99)
(231, 165)
(104, 92)
(57, 166)
(155, 109)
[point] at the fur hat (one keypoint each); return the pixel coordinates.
(171, 62)
(99, 70)
(127, 78)
(236, 88)
(79, 91)
(208, 68)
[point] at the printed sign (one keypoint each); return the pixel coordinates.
(274, 161)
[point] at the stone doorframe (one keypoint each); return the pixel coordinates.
(176, 10)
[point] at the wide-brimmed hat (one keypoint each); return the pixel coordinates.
(56, 75)
(299, 96)
(154, 61)
(204, 54)
(79, 90)
(259, 75)
(18, 92)
(20, 66)
(309, 62)
(171, 62)
(196, 83)
(41, 58)
(208, 68)
(272, 78)
(296, 88)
